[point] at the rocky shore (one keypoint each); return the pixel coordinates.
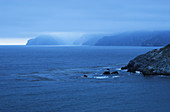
(155, 62)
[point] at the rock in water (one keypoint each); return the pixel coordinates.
(115, 72)
(107, 72)
(155, 62)
(85, 76)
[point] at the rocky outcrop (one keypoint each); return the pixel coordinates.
(155, 62)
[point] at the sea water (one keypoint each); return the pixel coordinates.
(50, 79)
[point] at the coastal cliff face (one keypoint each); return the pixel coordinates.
(139, 38)
(159, 40)
(45, 40)
(88, 39)
(155, 62)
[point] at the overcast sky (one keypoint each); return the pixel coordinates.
(27, 18)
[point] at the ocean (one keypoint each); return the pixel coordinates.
(50, 79)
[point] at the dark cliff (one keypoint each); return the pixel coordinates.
(140, 38)
(155, 62)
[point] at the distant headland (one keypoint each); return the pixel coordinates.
(138, 38)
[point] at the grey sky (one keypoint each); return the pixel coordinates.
(25, 18)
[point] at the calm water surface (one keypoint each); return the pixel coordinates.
(49, 79)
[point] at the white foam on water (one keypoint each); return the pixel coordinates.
(101, 77)
(124, 70)
(138, 72)
(118, 68)
(115, 76)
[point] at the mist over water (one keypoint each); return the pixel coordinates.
(25, 19)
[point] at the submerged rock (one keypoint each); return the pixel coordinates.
(115, 72)
(155, 62)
